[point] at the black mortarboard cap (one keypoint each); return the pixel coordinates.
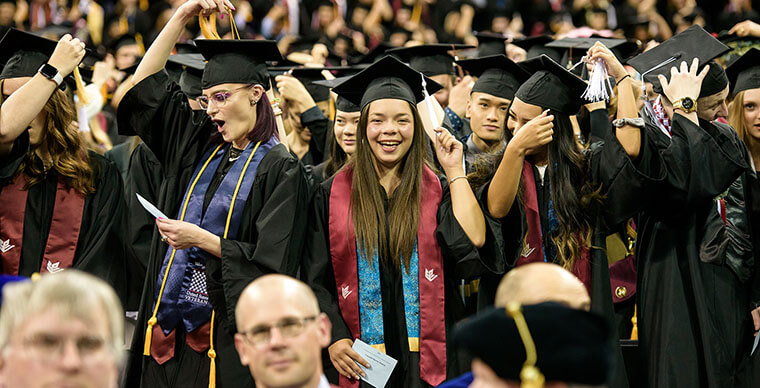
(386, 78)
(738, 45)
(694, 42)
(572, 346)
(490, 43)
(429, 59)
(341, 103)
(192, 72)
(535, 46)
(744, 73)
(551, 86)
(186, 48)
(22, 54)
(53, 31)
(307, 76)
(575, 48)
(373, 54)
(497, 75)
(237, 61)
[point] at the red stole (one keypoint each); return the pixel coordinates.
(344, 262)
(533, 250)
(64, 227)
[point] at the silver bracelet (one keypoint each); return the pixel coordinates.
(454, 179)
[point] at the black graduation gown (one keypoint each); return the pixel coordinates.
(318, 124)
(685, 304)
(269, 240)
(624, 182)
(459, 257)
(100, 249)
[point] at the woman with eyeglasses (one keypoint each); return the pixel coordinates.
(389, 238)
(234, 199)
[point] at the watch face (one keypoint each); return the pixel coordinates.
(687, 103)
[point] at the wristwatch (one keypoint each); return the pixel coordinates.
(51, 73)
(638, 122)
(686, 104)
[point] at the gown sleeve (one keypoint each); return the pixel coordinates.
(101, 249)
(702, 160)
(628, 186)
(156, 110)
(318, 124)
(271, 238)
(471, 262)
(10, 162)
(316, 268)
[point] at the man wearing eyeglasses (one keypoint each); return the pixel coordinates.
(281, 333)
(64, 330)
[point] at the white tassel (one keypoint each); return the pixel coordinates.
(599, 86)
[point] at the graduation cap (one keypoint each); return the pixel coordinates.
(307, 75)
(192, 66)
(237, 61)
(694, 42)
(490, 43)
(568, 345)
(124, 40)
(497, 75)
(744, 73)
(373, 54)
(186, 48)
(54, 31)
(386, 78)
(535, 46)
(429, 59)
(575, 48)
(551, 86)
(22, 54)
(341, 103)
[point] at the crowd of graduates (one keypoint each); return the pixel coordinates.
(400, 158)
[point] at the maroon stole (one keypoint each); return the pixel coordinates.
(64, 227)
(344, 262)
(533, 249)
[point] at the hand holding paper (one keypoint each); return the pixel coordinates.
(380, 364)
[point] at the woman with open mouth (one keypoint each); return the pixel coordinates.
(389, 237)
(235, 199)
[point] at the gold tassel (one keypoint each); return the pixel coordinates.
(95, 23)
(212, 353)
(144, 5)
(208, 26)
(140, 43)
(416, 12)
(81, 93)
(149, 335)
(635, 321)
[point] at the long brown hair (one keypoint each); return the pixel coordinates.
(70, 159)
(736, 120)
(391, 238)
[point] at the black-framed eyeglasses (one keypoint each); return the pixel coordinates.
(288, 327)
(219, 98)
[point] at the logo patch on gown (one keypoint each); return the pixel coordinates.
(197, 291)
(345, 291)
(54, 267)
(527, 250)
(5, 245)
(429, 275)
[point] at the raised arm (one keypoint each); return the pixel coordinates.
(465, 206)
(506, 181)
(22, 106)
(628, 135)
(156, 56)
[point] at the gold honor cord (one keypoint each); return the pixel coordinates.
(83, 100)
(530, 376)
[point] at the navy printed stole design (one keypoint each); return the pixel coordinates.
(185, 295)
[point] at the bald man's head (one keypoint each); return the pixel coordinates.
(542, 282)
(281, 288)
(281, 332)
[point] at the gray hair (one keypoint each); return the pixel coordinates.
(73, 294)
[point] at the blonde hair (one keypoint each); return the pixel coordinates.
(71, 293)
(736, 120)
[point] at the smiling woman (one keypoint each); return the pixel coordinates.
(389, 237)
(237, 196)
